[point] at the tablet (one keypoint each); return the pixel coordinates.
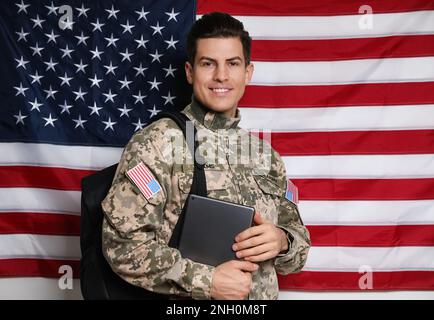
(209, 229)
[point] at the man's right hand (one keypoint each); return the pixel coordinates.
(232, 280)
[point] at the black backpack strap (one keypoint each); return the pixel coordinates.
(198, 186)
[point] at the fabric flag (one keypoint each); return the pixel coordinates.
(346, 88)
(79, 78)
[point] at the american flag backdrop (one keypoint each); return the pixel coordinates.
(347, 88)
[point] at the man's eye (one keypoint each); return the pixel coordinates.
(234, 63)
(206, 64)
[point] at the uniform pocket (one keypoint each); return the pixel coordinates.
(268, 185)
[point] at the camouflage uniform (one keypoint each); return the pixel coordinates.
(136, 230)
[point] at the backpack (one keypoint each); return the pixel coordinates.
(98, 281)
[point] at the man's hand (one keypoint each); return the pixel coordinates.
(261, 242)
(232, 280)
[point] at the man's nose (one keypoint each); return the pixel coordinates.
(221, 73)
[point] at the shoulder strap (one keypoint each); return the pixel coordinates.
(198, 186)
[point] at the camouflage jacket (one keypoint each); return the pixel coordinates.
(137, 229)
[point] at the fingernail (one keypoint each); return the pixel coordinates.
(234, 247)
(239, 255)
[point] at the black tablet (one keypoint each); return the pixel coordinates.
(209, 229)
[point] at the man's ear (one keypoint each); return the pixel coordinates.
(189, 72)
(249, 72)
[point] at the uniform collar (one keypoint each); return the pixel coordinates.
(210, 119)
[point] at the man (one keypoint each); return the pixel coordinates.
(138, 226)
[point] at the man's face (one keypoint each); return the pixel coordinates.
(219, 74)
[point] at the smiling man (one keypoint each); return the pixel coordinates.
(138, 225)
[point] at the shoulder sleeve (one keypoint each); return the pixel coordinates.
(290, 221)
(131, 243)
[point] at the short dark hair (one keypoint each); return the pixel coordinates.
(217, 25)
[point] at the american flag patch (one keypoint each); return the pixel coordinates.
(144, 180)
(291, 192)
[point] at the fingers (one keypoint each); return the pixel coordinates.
(245, 266)
(250, 232)
(254, 251)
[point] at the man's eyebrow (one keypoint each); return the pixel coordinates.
(214, 60)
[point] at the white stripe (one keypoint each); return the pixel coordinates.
(344, 72)
(367, 212)
(14, 246)
(345, 26)
(74, 157)
(361, 166)
(38, 289)
(378, 259)
(339, 118)
(39, 200)
(356, 295)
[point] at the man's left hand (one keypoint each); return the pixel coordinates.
(262, 242)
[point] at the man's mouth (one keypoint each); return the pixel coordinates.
(220, 90)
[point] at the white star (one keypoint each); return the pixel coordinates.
(112, 12)
(36, 77)
(21, 62)
(141, 42)
(82, 10)
(124, 111)
(126, 55)
(22, 35)
(154, 84)
(20, 89)
(110, 68)
(82, 39)
(37, 50)
(171, 43)
(140, 70)
(66, 52)
(111, 41)
(50, 121)
(169, 99)
(79, 122)
(65, 107)
(157, 28)
(127, 27)
(94, 109)
(153, 111)
(172, 15)
(125, 83)
(142, 14)
(95, 81)
(79, 94)
(155, 56)
(139, 125)
(81, 66)
(109, 124)
(51, 93)
(110, 96)
(37, 21)
(20, 117)
(139, 97)
(96, 53)
(66, 24)
(35, 105)
(52, 37)
(65, 79)
(52, 9)
(50, 64)
(170, 71)
(22, 6)
(97, 25)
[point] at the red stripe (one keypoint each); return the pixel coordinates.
(396, 280)
(39, 223)
(353, 142)
(372, 94)
(42, 177)
(365, 189)
(304, 8)
(37, 268)
(372, 236)
(343, 49)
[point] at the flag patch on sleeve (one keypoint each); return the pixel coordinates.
(142, 177)
(291, 192)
